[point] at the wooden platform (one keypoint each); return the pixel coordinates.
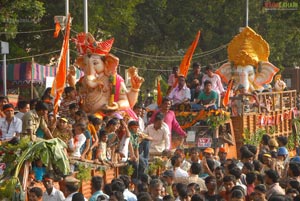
(276, 122)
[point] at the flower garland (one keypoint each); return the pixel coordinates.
(214, 118)
(112, 81)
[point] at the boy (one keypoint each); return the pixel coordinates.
(78, 140)
(101, 152)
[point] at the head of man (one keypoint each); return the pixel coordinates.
(158, 120)
(70, 92)
(48, 182)
(180, 151)
(294, 169)
(195, 168)
(211, 183)
(97, 183)
(73, 108)
(222, 154)
(182, 191)
(35, 194)
(181, 81)
(246, 155)
(193, 188)
(168, 177)
(229, 182)
(23, 106)
(219, 173)
(207, 86)
(209, 153)
(175, 71)
(72, 185)
(166, 104)
(176, 161)
(194, 154)
(155, 188)
(41, 109)
(260, 192)
(63, 123)
(209, 71)
(133, 126)
(8, 110)
(271, 177)
(196, 68)
(3, 101)
(138, 109)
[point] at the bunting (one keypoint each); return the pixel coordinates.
(60, 78)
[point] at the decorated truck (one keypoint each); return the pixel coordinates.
(255, 107)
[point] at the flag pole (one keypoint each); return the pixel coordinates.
(68, 50)
(31, 86)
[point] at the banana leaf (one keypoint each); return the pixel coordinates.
(51, 152)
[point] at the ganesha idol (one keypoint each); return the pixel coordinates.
(102, 89)
(248, 62)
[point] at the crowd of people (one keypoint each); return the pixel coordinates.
(202, 91)
(264, 173)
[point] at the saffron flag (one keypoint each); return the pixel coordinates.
(57, 30)
(159, 94)
(60, 78)
(227, 94)
(186, 61)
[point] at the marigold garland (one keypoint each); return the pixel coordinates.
(214, 118)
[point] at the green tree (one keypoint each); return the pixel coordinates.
(153, 34)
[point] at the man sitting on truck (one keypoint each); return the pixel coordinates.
(181, 94)
(207, 98)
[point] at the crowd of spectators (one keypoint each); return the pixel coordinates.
(261, 173)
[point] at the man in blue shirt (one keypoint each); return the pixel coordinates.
(96, 188)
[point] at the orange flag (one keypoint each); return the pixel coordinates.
(57, 30)
(159, 94)
(186, 61)
(60, 78)
(227, 94)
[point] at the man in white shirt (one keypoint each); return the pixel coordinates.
(181, 93)
(179, 173)
(155, 189)
(159, 134)
(51, 193)
(145, 143)
(195, 170)
(10, 126)
(129, 196)
(185, 165)
(23, 107)
(138, 110)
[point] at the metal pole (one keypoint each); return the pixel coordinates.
(31, 85)
(85, 15)
(4, 75)
(247, 12)
(68, 50)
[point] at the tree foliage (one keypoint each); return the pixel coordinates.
(160, 31)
